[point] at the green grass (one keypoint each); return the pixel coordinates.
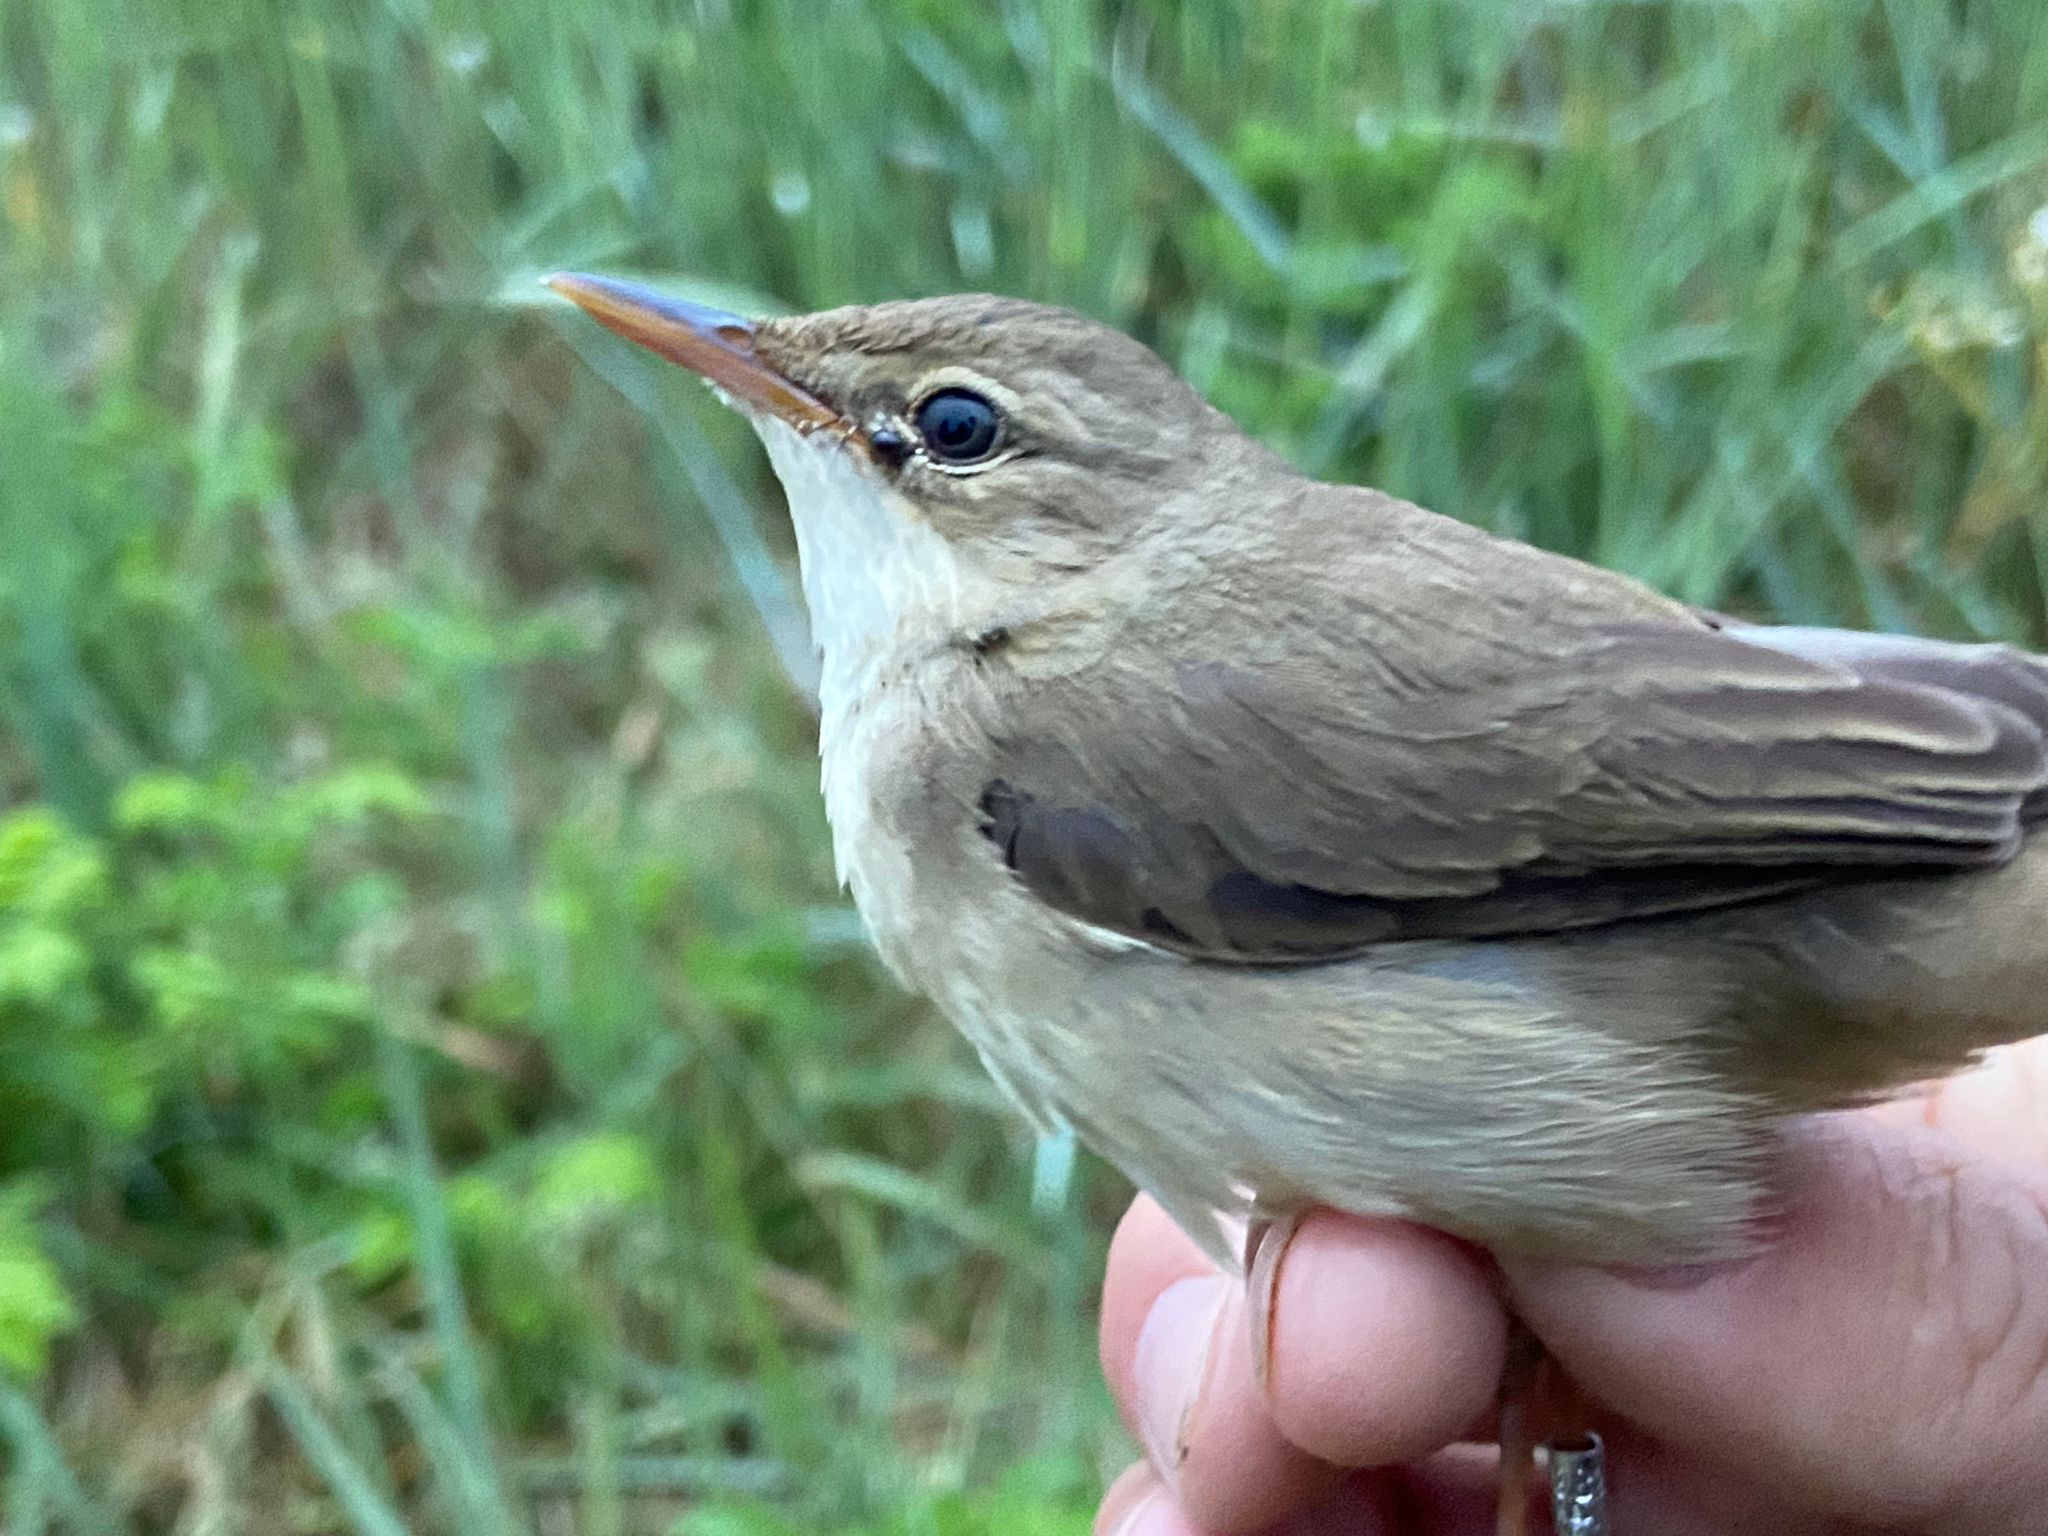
(440, 1087)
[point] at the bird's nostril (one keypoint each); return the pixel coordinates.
(889, 445)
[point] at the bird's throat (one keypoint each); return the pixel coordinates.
(883, 586)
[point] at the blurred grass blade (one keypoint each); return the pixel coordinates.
(1941, 193)
(760, 574)
(365, 1508)
(915, 1196)
(472, 1490)
(40, 1480)
(1254, 220)
(1052, 1170)
(440, 1275)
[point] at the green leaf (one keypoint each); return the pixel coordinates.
(189, 988)
(46, 868)
(379, 1247)
(736, 1520)
(165, 802)
(360, 791)
(34, 1306)
(593, 1176)
(39, 965)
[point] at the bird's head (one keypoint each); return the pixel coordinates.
(950, 453)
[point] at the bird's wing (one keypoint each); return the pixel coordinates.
(1603, 771)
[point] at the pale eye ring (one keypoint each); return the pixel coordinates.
(958, 426)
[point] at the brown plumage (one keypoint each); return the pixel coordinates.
(1297, 845)
(1386, 761)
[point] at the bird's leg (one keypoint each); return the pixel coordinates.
(1518, 1379)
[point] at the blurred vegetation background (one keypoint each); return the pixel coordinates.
(440, 1087)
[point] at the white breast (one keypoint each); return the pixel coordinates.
(887, 592)
(877, 576)
(891, 600)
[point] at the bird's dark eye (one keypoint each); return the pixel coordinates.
(958, 426)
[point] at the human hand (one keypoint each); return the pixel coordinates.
(1881, 1365)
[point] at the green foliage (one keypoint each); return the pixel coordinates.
(439, 1081)
(34, 1305)
(1030, 1499)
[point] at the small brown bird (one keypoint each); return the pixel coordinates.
(1297, 846)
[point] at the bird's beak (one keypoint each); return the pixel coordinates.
(706, 341)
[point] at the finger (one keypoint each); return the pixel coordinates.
(1387, 1340)
(1139, 1505)
(1176, 1350)
(1147, 1254)
(1652, 1489)
(1456, 1490)
(2000, 1106)
(1884, 1355)
(1203, 1419)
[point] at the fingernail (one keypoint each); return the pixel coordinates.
(1124, 1498)
(1262, 1289)
(1153, 1515)
(1174, 1350)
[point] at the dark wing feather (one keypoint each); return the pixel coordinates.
(1307, 804)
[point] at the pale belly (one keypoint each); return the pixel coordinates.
(1480, 1088)
(1430, 1082)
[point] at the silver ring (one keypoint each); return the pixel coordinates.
(1578, 1486)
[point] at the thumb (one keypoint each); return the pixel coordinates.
(1885, 1358)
